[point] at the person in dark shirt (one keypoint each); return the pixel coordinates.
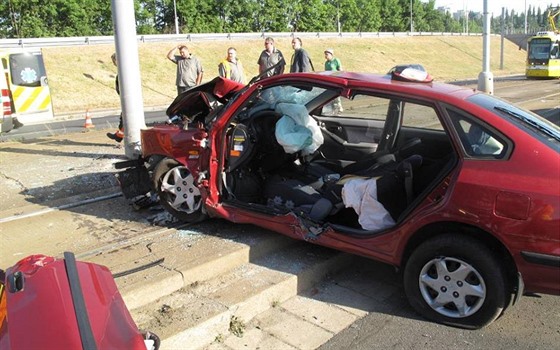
(300, 59)
(269, 57)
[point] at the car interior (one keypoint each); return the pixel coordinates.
(359, 163)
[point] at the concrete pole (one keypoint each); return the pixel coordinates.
(485, 78)
(124, 24)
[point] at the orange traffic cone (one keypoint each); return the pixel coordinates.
(88, 124)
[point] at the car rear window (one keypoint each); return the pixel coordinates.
(542, 129)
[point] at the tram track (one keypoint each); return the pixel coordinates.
(60, 207)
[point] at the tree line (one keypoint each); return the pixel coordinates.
(64, 18)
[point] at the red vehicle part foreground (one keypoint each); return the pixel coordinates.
(60, 303)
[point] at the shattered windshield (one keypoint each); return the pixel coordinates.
(268, 98)
(290, 94)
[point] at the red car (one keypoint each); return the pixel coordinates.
(49, 303)
(459, 189)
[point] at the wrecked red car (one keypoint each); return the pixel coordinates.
(49, 303)
(457, 188)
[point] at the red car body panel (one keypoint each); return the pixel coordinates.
(185, 146)
(41, 315)
(516, 201)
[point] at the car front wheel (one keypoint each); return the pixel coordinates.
(177, 190)
(457, 281)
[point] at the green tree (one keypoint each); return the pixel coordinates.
(433, 20)
(392, 16)
(369, 16)
(34, 18)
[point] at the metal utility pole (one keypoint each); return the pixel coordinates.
(411, 27)
(132, 105)
(502, 39)
(485, 78)
(176, 19)
(338, 18)
(525, 17)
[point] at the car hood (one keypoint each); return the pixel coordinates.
(217, 90)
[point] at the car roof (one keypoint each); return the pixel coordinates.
(432, 90)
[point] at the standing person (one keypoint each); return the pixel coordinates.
(269, 57)
(231, 67)
(119, 134)
(189, 68)
(300, 59)
(332, 63)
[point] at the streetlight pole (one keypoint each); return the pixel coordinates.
(486, 78)
(525, 16)
(176, 19)
(338, 17)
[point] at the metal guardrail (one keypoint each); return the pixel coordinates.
(97, 40)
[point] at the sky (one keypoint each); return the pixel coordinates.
(495, 6)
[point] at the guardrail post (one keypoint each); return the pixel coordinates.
(229, 36)
(87, 40)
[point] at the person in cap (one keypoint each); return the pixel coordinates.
(331, 62)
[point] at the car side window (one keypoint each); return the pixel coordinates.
(420, 116)
(478, 140)
(358, 107)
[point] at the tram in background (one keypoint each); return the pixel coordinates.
(543, 51)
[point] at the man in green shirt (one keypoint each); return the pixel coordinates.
(333, 63)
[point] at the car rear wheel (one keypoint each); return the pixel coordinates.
(457, 281)
(177, 190)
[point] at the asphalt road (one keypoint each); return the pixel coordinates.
(67, 124)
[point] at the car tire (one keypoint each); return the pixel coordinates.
(177, 191)
(457, 281)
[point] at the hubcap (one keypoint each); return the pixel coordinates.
(181, 191)
(452, 287)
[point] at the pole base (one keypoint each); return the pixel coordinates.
(486, 82)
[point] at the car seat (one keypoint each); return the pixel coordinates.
(395, 185)
(295, 195)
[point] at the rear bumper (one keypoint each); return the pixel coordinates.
(541, 272)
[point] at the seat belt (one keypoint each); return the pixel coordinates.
(407, 173)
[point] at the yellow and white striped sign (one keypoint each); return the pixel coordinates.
(31, 99)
